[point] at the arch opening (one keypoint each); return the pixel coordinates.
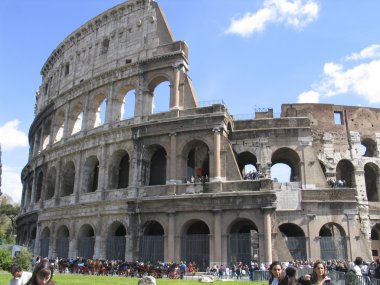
(295, 240)
(243, 242)
(116, 242)
(372, 180)
(286, 165)
(152, 243)
(333, 242)
(195, 244)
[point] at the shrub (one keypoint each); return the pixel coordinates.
(6, 259)
(24, 259)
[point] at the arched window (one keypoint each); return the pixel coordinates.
(286, 165)
(116, 242)
(152, 243)
(68, 179)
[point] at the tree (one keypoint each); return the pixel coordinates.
(8, 215)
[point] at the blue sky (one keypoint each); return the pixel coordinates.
(248, 53)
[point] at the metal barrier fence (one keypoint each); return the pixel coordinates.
(337, 277)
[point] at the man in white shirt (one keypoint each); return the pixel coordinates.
(19, 277)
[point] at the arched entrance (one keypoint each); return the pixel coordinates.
(152, 242)
(295, 240)
(198, 161)
(44, 242)
(333, 242)
(243, 242)
(247, 165)
(345, 173)
(116, 242)
(195, 244)
(371, 174)
(62, 242)
(286, 160)
(86, 242)
(375, 241)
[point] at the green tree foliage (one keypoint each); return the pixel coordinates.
(24, 259)
(8, 215)
(6, 259)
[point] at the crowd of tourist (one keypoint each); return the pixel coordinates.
(278, 273)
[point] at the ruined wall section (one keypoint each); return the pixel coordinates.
(128, 33)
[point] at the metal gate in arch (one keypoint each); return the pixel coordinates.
(333, 248)
(152, 248)
(62, 247)
(44, 247)
(243, 247)
(196, 248)
(115, 248)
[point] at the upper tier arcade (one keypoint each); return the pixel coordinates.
(114, 43)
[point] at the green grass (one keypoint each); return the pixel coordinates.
(68, 279)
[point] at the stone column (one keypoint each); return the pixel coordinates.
(170, 246)
(267, 234)
(350, 218)
(57, 185)
(103, 175)
(66, 123)
(174, 91)
(31, 202)
(217, 256)
(129, 248)
(216, 176)
(173, 158)
(78, 178)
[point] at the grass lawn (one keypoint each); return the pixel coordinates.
(68, 279)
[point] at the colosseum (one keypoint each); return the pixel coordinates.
(105, 183)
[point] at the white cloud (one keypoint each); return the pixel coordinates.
(11, 183)
(11, 137)
(295, 13)
(361, 79)
(309, 97)
(372, 51)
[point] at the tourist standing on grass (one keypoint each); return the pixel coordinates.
(318, 277)
(42, 274)
(276, 273)
(20, 277)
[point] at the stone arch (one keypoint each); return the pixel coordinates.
(75, 117)
(95, 110)
(90, 175)
(127, 102)
(345, 172)
(154, 165)
(116, 241)
(195, 243)
(370, 147)
(197, 154)
(243, 241)
(86, 241)
(295, 240)
(119, 169)
(332, 242)
(59, 125)
(68, 179)
(46, 133)
(244, 159)
(44, 242)
(372, 181)
(156, 83)
(62, 242)
(290, 158)
(29, 190)
(375, 241)
(152, 242)
(31, 235)
(50, 183)
(39, 183)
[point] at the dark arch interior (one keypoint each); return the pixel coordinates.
(153, 228)
(198, 228)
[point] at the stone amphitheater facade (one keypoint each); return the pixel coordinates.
(101, 185)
